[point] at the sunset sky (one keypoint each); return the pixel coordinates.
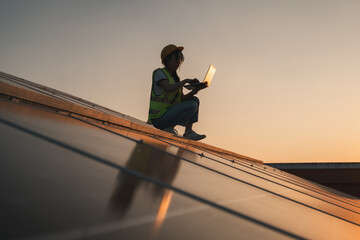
(287, 82)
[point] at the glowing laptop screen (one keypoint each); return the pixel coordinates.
(209, 75)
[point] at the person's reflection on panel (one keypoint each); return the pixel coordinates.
(149, 162)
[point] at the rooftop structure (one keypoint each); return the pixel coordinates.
(343, 176)
(71, 169)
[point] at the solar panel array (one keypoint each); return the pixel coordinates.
(70, 177)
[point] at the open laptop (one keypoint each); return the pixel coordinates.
(207, 79)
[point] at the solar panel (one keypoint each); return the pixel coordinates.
(269, 176)
(64, 195)
(70, 177)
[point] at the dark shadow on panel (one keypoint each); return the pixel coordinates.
(153, 163)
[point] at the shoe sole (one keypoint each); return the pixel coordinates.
(195, 139)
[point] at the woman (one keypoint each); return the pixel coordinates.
(168, 105)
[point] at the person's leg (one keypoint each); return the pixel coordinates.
(179, 114)
(188, 127)
(189, 132)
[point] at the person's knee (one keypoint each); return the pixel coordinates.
(193, 105)
(196, 99)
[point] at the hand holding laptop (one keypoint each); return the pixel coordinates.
(193, 84)
(193, 81)
(196, 85)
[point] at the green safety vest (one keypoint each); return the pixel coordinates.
(160, 104)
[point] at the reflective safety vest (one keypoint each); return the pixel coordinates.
(160, 104)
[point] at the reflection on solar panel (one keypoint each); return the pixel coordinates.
(71, 169)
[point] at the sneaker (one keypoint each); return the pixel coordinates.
(194, 136)
(170, 130)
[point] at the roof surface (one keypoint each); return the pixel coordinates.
(73, 170)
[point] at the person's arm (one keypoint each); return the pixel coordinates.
(192, 93)
(165, 83)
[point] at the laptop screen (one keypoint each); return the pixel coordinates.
(209, 75)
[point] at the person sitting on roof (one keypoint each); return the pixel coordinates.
(169, 107)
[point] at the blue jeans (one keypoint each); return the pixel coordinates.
(179, 114)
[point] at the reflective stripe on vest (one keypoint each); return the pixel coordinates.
(160, 104)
